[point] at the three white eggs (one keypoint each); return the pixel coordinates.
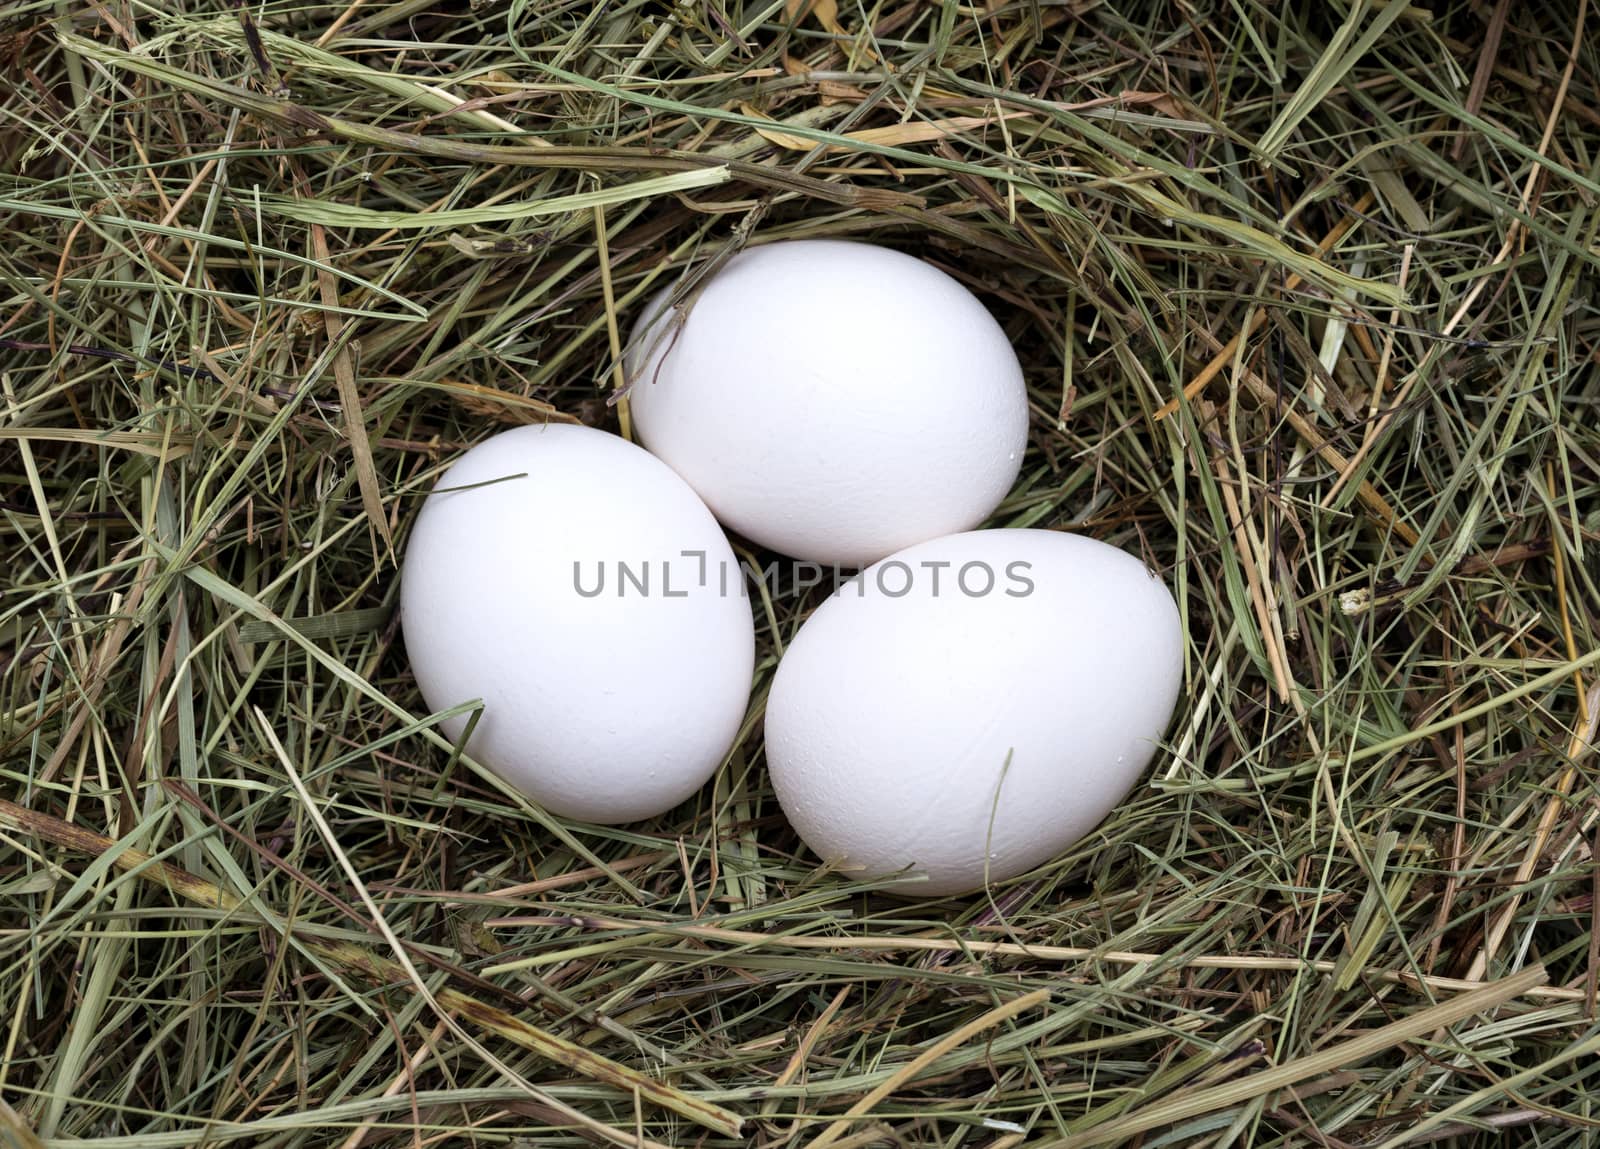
(953, 726)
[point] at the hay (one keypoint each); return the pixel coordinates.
(1306, 303)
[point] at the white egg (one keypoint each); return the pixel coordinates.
(971, 706)
(832, 401)
(572, 582)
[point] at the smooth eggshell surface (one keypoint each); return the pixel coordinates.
(606, 707)
(832, 401)
(925, 722)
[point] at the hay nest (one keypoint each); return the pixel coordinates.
(1305, 298)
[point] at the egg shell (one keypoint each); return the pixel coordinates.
(832, 401)
(606, 707)
(923, 721)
